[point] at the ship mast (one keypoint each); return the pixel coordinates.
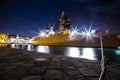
(65, 25)
(64, 21)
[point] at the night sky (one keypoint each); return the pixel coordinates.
(27, 17)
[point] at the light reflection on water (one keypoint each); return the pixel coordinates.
(89, 53)
(3, 45)
(113, 54)
(72, 52)
(29, 47)
(43, 49)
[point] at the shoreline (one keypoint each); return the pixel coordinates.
(96, 46)
(78, 46)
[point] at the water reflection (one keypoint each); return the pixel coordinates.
(117, 51)
(44, 49)
(3, 45)
(72, 52)
(30, 47)
(113, 54)
(88, 53)
(13, 46)
(17, 46)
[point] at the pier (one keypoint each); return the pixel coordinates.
(18, 64)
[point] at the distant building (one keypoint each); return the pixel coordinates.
(3, 37)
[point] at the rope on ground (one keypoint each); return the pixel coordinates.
(104, 74)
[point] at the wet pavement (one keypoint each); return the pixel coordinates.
(27, 65)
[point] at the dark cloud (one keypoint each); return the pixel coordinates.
(101, 6)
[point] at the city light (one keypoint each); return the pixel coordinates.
(88, 33)
(75, 31)
(45, 33)
(42, 34)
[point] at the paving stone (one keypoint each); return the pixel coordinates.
(93, 78)
(27, 65)
(74, 77)
(6, 69)
(41, 63)
(36, 71)
(14, 74)
(54, 64)
(31, 78)
(67, 65)
(78, 64)
(3, 64)
(115, 76)
(41, 59)
(87, 72)
(56, 58)
(52, 75)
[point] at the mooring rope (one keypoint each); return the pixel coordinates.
(103, 75)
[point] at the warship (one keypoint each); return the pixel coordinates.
(67, 35)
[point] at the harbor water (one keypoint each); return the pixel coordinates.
(113, 54)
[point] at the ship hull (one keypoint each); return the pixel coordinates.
(83, 41)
